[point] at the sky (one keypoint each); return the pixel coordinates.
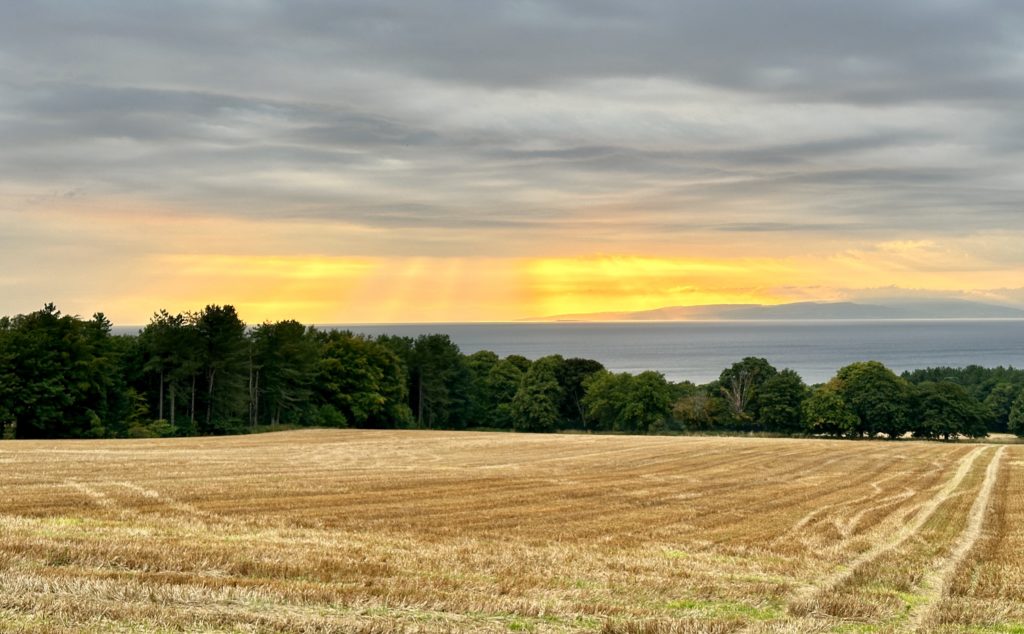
(458, 160)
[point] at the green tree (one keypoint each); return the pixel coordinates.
(190, 353)
(500, 386)
(479, 409)
(650, 402)
(362, 382)
(439, 380)
(825, 412)
(697, 408)
(224, 355)
(780, 399)
(61, 377)
(999, 402)
(7, 378)
(1016, 419)
(284, 364)
(627, 403)
(880, 399)
(572, 376)
(739, 385)
(995, 387)
(534, 408)
(606, 398)
(946, 410)
(169, 354)
(520, 362)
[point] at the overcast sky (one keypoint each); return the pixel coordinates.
(459, 160)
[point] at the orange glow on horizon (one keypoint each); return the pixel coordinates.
(565, 286)
(131, 261)
(331, 289)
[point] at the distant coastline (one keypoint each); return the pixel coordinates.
(887, 311)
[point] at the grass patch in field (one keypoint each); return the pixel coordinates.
(909, 599)
(67, 521)
(855, 628)
(727, 609)
(582, 584)
(518, 623)
(15, 622)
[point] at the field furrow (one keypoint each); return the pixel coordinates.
(374, 531)
(938, 578)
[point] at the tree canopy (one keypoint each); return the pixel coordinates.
(207, 372)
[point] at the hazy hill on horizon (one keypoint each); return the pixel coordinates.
(900, 309)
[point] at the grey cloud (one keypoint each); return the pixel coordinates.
(872, 51)
(772, 227)
(84, 110)
(366, 131)
(776, 157)
(450, 114)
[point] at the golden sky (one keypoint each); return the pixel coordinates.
(129, 264)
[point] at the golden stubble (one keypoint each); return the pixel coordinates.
(374, 531)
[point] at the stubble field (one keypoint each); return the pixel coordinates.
(364, 531)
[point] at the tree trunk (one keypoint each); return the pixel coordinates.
(256, 403)
(419, 401)
(252, 418)
(582, 411)
(173, 429)
(737, 393)
(209, 399)
(161, 408)
(192, 407)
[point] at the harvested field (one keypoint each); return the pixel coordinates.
(366, 531)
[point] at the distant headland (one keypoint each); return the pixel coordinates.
(902, 309)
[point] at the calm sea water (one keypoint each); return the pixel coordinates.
(698, 351)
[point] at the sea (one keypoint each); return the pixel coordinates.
(698, 351)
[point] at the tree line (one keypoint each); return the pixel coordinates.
(206, 372)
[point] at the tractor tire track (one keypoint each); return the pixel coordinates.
(828, 584)
(937, 582)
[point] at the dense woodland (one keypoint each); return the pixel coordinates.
(208, 373)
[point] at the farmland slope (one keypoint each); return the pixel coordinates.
(373, 531)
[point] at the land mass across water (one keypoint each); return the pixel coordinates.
(903, 309)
